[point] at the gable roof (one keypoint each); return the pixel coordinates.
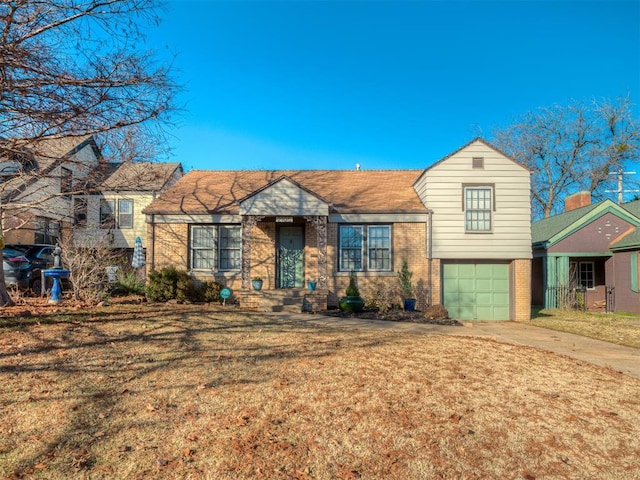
(144, 176)
(551, 230)
(467, 145)
(46, 154)
(632, 240)
(347, 191)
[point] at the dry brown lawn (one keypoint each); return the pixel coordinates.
(198, 392)
(610, 327)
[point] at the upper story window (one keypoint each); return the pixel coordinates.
(80, 212)
(125, 213)
(216, 247)
(66, 181)
(107, 213)
(365, 248)
(478, 205)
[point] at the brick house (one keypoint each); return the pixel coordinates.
(462, 225)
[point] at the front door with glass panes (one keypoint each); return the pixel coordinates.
(290, 257)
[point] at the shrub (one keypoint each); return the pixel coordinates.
(404, 277)
(128, 282)
(162, 285)
(436, 312)
(210, 291)
(169, 283)
(186, 288)
(352, 289)
(383, 296)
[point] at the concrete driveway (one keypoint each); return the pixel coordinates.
(609, 355)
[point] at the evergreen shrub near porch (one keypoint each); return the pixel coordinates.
(170, 283)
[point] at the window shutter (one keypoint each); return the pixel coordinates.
(634, 272)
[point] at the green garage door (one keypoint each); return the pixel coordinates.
(476, 291)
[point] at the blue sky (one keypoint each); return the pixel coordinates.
(385, 84)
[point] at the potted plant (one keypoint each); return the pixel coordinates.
(404, 277)
(256, 283)
(352, 302)
(311, 284)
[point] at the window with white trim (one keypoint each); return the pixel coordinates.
(125, 213)
(107, 213)
(478, 204)
(216, 247)
(586, 274)
(364, 248)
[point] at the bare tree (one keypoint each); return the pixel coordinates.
(76, 68)
(570, 148)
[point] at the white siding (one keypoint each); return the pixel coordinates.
(441, 189)
(283, 198)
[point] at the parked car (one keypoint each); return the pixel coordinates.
(32, 259)
(12, 260)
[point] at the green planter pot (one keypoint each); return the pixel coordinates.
(256, 284)
(351, 304)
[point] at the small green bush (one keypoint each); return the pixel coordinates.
(128, 282)
(169, 283)
(210, 291)
(162, 285)
(352, 289)
(186, 289)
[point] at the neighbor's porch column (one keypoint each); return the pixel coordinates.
(248, 222)
(320, 222)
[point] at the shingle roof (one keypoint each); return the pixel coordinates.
(141, 176)
(631, 240)
(545, 229)
(348, 191)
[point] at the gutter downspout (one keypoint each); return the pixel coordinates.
(429, 257)
(152, 254)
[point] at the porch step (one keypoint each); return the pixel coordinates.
(282, 300)
(294, 300)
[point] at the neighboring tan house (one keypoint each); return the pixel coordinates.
(587, 257)
(36, 186)
(462, 226)
(112, 211)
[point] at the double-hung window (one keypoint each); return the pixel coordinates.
(365, 248)
(216, 247)
(478, 204)
(107, 213)
(125, 213)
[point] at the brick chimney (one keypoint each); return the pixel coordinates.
(577, 200)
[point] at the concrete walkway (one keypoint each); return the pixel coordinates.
(616, 357)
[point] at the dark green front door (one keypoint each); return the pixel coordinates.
(290, 257)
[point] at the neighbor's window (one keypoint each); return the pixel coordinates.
(107, 213)
(586, 274)
(47, 230)
(80, 212)
(358, 242)
(477, 208)
(66, 181)
(216, 247)
(125, 213)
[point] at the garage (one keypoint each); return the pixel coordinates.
(476, 291)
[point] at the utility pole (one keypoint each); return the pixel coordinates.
(620, 191)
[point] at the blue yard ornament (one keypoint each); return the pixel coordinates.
(225, 293)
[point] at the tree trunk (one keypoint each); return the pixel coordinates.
(5, 298)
